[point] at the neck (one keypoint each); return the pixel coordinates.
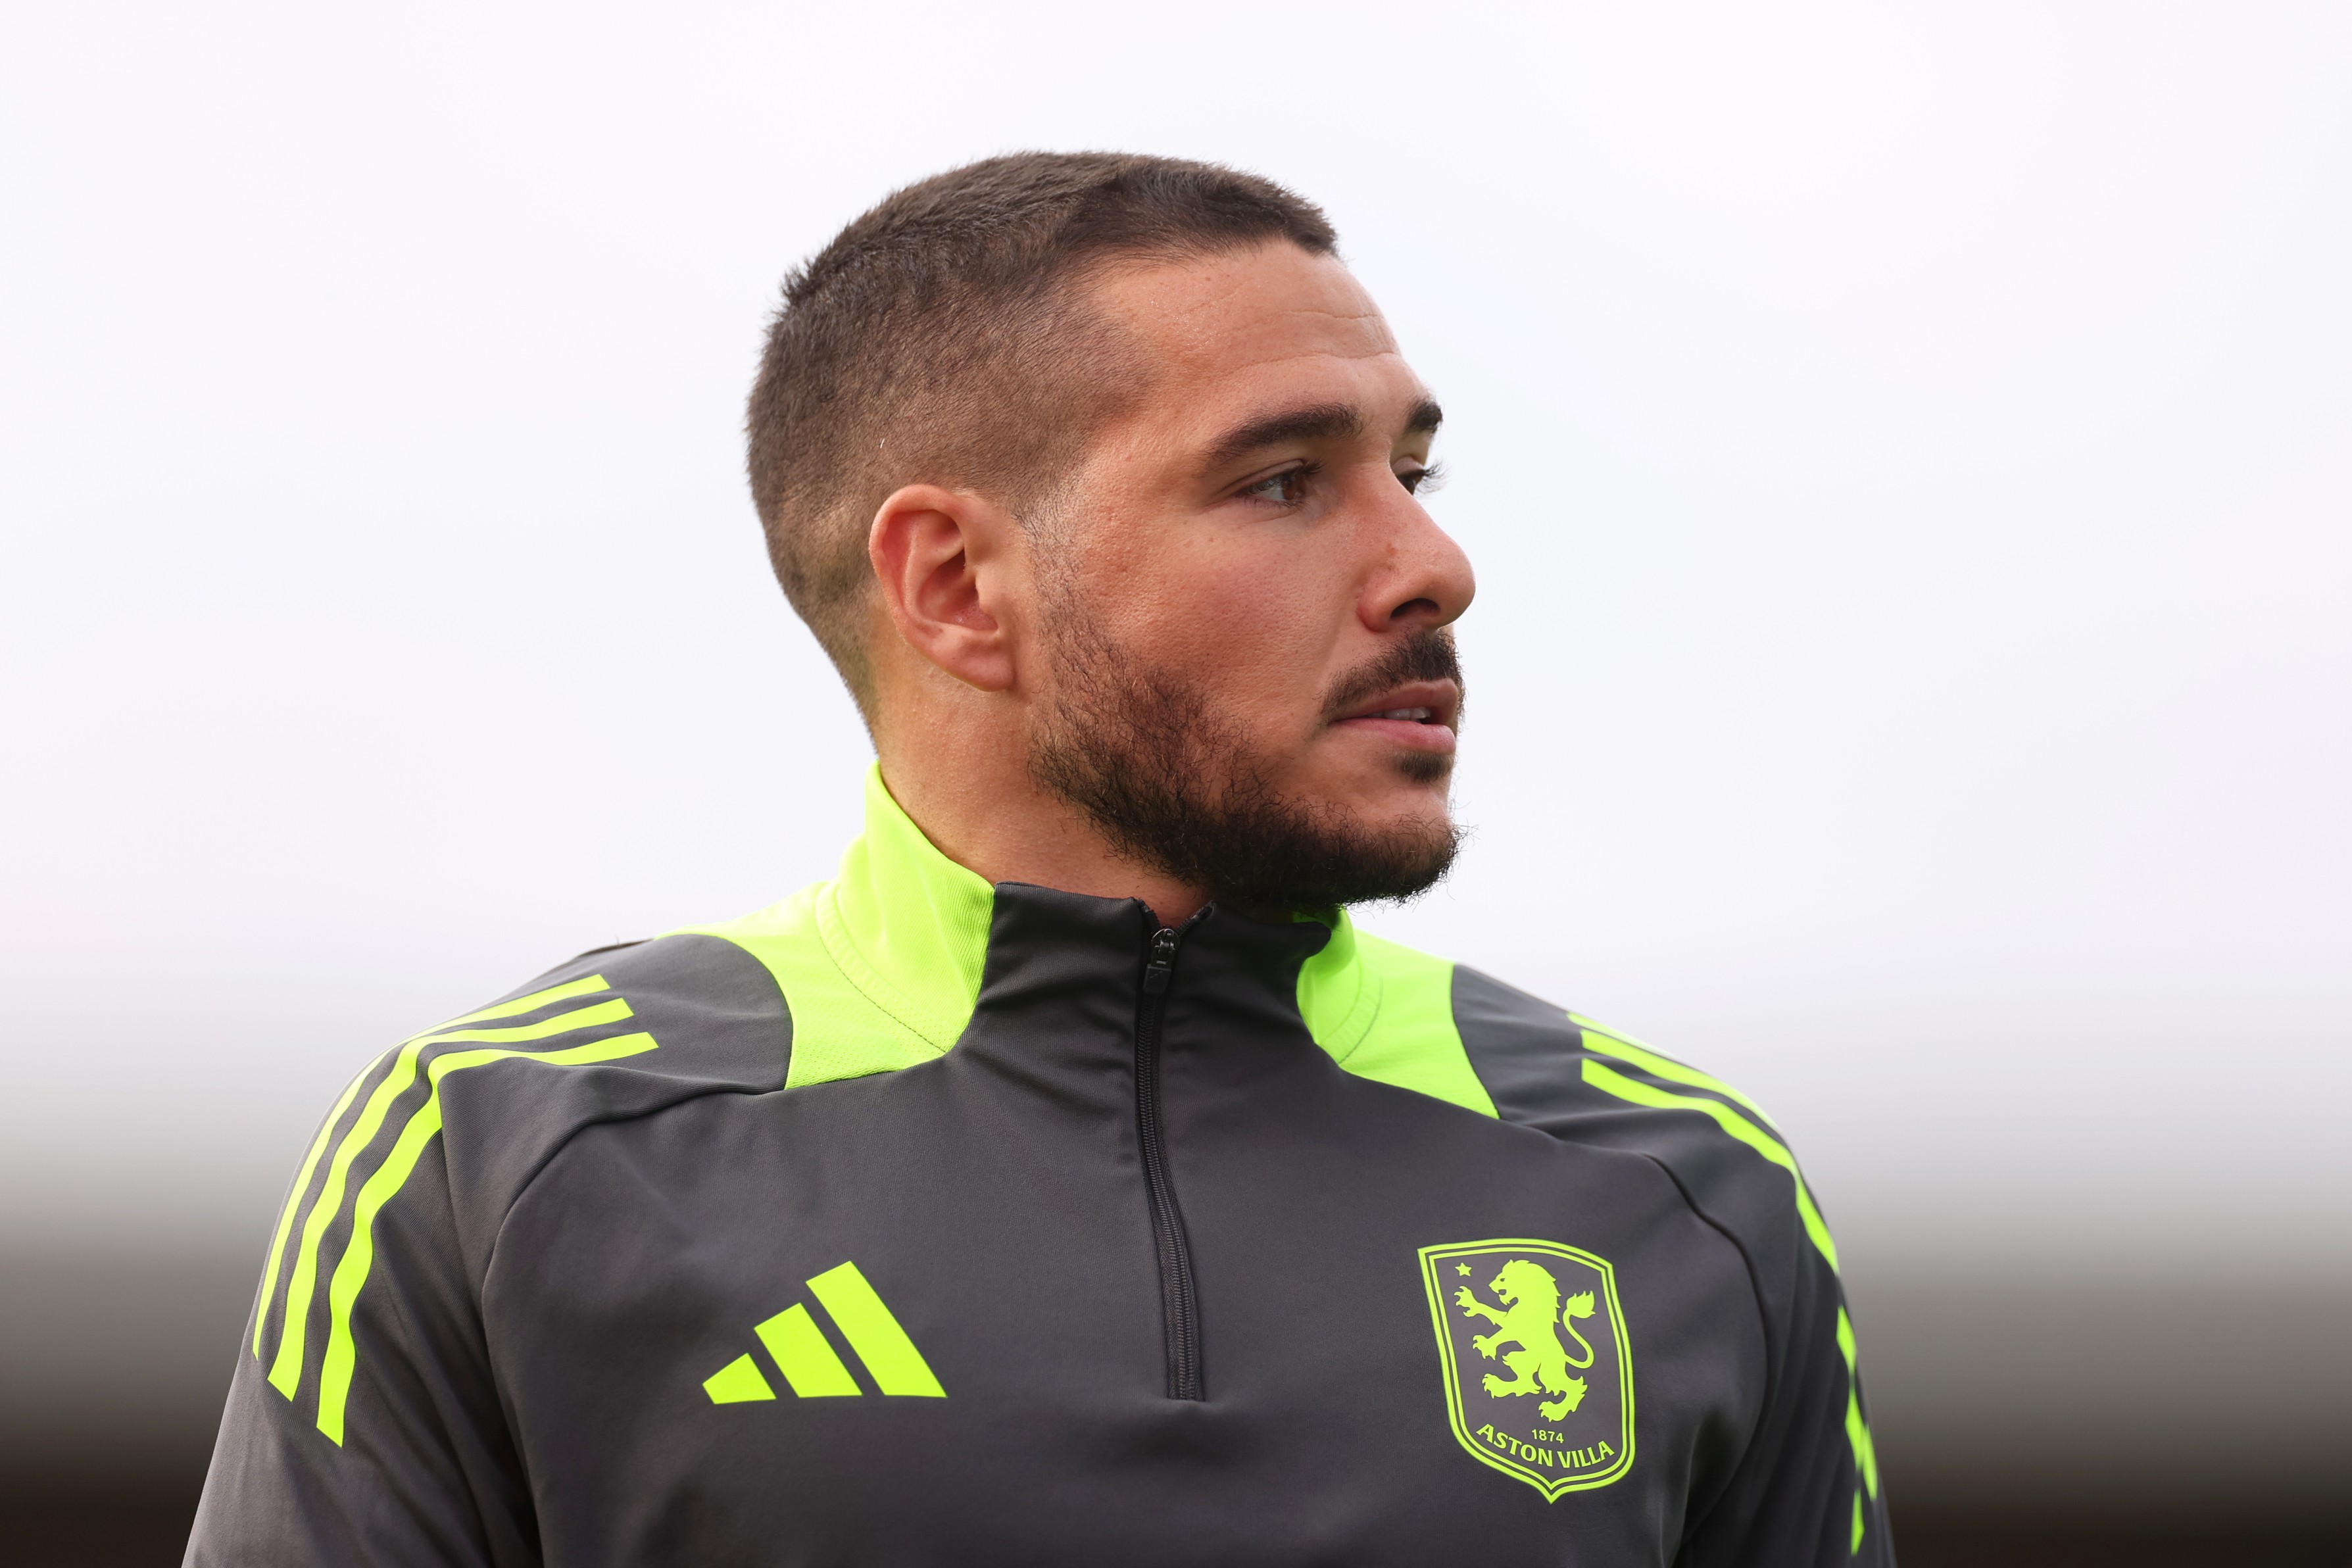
(974, 798)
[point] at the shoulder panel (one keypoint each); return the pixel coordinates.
(880, 968)
(632, 1029)
(1385, 1012)
(847, 1021)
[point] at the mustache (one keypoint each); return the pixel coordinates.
(1427, 655)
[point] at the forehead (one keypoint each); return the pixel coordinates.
(1246, 325)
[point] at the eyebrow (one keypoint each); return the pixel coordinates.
(1315, 422)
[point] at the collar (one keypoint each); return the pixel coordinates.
(910, 929)
(907, 926)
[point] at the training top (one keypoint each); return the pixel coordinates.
(915, 1220)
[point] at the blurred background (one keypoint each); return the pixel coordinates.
(1907, 451)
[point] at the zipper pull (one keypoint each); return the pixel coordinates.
(1161, 967)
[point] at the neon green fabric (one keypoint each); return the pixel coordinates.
(1386, 1013)
(740, 1382)
(1858, 1431)
(879, 967)
(907, 922)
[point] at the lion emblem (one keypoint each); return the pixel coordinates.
(1530, 1317)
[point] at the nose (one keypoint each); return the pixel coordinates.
(1422, 577)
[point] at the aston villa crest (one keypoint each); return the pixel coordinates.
(1538, 1373)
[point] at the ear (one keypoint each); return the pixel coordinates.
(943, 558)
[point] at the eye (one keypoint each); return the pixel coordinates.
(1288, 488)
(1420, 481)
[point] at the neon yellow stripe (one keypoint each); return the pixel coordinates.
(1611, 1081)
(359, 1253)
(1857, 1430)
(867, 1323)
(532, 1003)
(1857, 1546)
(294, 1200)
(286, 1371)
(807, 1363)
(1666, 1068)
(737, 1382)
(579, 1018)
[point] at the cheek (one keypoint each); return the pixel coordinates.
(1250, 625)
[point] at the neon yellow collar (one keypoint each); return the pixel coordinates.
(913, 921)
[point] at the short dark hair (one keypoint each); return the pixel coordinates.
(939, 339)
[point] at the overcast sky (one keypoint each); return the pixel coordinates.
(1908, 457)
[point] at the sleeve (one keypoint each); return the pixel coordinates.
(1803, 1489)
(363, 1425)
(1807, 1490)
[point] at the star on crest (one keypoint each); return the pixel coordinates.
(1461, 1268)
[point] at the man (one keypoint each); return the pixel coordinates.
(1069, 1181)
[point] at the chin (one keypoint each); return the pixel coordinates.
(1398, 789)
(1426, 768)
(1416, 811)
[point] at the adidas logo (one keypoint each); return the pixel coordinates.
(806, 1358)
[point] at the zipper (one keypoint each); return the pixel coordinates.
(1178, 1305)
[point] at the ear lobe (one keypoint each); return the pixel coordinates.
(939, 555)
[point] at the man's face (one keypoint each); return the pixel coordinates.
(1243, 601)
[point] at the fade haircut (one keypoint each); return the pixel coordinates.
(943, 338)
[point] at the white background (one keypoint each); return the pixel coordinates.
(1905, 454)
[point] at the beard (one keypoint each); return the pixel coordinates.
(1142, 753)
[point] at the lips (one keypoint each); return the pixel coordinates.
(1420, 715)
(1431, 702)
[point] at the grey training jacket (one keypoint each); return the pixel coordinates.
(916, 1220)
